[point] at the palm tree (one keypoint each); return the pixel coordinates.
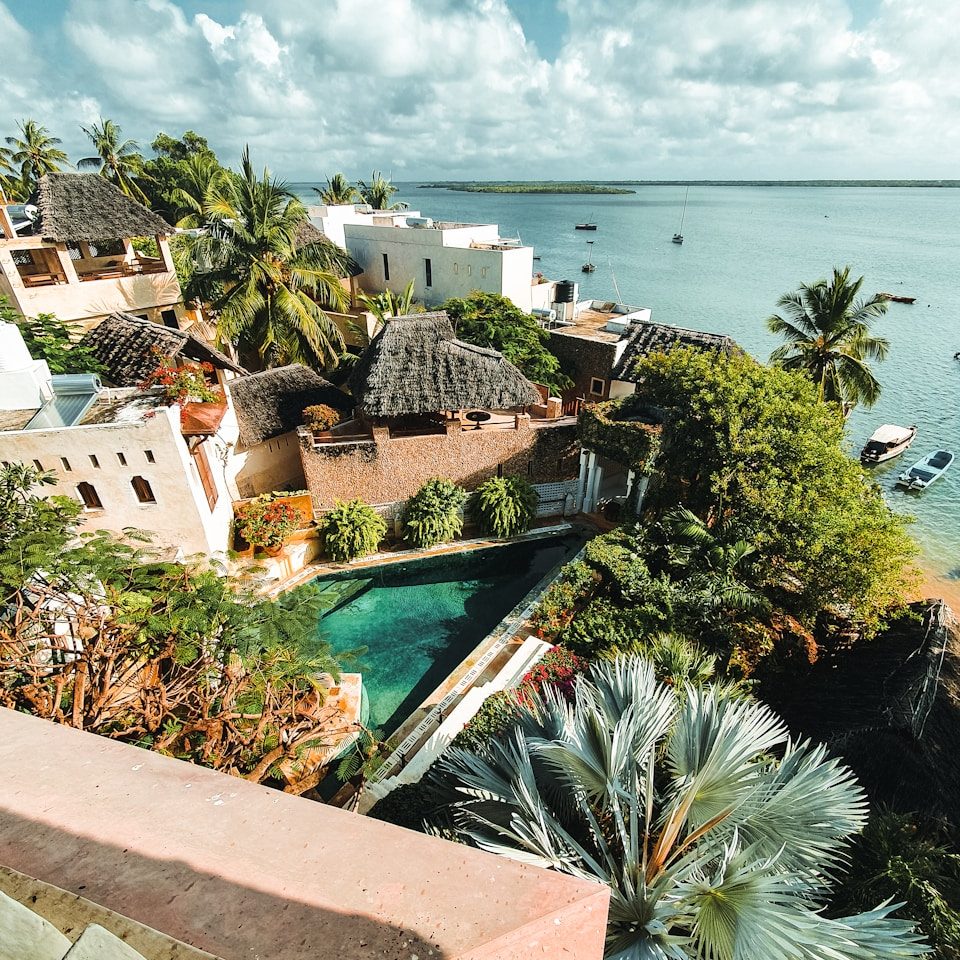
(383, 306)
(202, 176)
(827, 330)
(266, 285)
(338, 190)
(378, 193)
(119, 160)
(35, 152)
(718, 835)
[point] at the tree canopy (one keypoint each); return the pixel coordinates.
(491, 320)
(48, 338)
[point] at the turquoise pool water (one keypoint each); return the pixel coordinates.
(420, 619)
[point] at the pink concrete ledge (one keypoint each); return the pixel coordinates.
(242, 871)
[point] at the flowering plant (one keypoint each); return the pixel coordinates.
(181, 384)
(267, 523)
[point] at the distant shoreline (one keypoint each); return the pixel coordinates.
(595, 186)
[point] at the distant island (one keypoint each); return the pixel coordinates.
(621, 186)
(534, 186)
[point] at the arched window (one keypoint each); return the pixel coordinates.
(143, 490)
(88, 494)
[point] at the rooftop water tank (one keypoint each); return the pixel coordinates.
(14, 355)
(420, 222)
(565, 292)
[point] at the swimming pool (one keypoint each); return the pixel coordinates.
(420, 619)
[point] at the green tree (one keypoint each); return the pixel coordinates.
(34, 152)
(199, 178)
(384, 305)
(179, 165)
(899, 857)
(351, 529)
(338, 190)
(119, 160)
(100, 635)
(378, 193)
(490, 320)
(827, 329)
(718, 835)
(267, 289)
(48, 338)
(755, 448)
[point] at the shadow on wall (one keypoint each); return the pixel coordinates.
(209, 912)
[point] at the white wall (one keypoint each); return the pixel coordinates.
(457, 269)
(272, 465)
(181, 517)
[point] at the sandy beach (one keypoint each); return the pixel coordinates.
(936, 586)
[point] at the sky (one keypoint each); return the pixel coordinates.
(504, 89)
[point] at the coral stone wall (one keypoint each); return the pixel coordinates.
(384, 470)
(582, 358)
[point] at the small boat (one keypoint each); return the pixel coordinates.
(678, 236)
(925, 471)
(887, 442)
(589, 266)
(894, 298)
(585, 226)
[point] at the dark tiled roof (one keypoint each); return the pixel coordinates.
(271, 402)
(127, 347)
(645, 338)
(416, 365)
(86, 206)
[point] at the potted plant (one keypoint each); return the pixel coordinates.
(319, 417)
(351, 529)
(505, 506)
(267, 523)
(181, 385)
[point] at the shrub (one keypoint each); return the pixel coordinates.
(561, 600)
(505, 506)
(433, 514)
(559, 667)
(181, 384)
(319, 417)
(351, 529)
(409, 805)
(267, 522)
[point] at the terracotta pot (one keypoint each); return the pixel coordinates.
(273, 551)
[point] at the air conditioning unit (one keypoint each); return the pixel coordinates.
(420, 223)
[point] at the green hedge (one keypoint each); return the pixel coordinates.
(625, 430)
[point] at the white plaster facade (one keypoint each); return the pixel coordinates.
(442, 259)
(274, 464)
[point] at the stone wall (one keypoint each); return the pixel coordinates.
(384, 469)
(582, 358)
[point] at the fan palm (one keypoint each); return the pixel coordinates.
(119, 160)
(718, 835)
(827, 329)
(378, 193)
(265, 285)
(338, 190)
(35, 152)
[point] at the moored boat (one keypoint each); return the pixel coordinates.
(585, 226)
(895, 298)
(887, 442)
(925, 471)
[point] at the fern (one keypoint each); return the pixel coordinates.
(352, 529)
(433, 513)
(505, 506)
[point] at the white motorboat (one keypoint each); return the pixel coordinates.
(925, 471)
(887, 442)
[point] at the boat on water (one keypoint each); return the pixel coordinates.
(589, 266)
(678, 236)
(585, 226)
(896, 298)
(925, 471)
(887, 442)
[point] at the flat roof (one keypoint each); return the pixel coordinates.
(244, 871)
(118, 405)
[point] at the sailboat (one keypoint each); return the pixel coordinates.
(678, 236)
(589, 266)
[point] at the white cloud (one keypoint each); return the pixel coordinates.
(641, 88)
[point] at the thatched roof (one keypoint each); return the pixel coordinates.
(271, 402)
(127, 347)
(416, 365)
(647, 337)
(86, 206)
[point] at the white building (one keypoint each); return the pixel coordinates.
(130, 458)
(72, 255)
(443, 259)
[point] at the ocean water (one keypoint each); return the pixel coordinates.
(744, 247)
